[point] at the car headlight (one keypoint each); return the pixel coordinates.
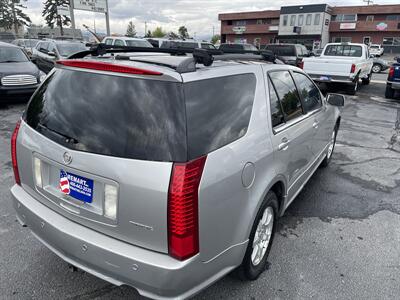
(42, 76)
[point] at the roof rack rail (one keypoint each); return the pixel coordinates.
(200, 56)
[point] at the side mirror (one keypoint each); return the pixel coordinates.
(372, 56)
(335, 99)
(51, 53)
(311, 54)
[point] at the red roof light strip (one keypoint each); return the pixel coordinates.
(102, 66)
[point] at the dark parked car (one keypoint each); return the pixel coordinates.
(48, 51)
(393, 81)
(379, 65)
(291, 54)
(247, 47)
(19, 77)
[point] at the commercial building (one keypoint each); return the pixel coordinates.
(315, 25)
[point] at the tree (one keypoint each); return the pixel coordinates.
(148, 34)
(183, 32)
(130, 30)
(215, 39)
(51, 16)
(11, 15)
(172, 35)
(158, 33)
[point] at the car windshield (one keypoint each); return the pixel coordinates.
(11, 54)
(31, 43)
(138, 43)
(68, 49)
(282, 50)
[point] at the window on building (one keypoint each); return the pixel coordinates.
(308, 19)
(393, 18)
(341, 40)
(259, 21)
(301, 20)
(347, 17)
(229, 22)
(285, 20)
(316, 19)
(292, 20)
(391, 41)
(240, 23)
(370, 18)
(276, 21)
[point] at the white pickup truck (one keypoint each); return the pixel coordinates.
(345, 63)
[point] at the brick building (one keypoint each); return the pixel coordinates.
(315, 25)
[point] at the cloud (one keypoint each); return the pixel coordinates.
(199, 16)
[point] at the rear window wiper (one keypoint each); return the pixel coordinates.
(68, 139)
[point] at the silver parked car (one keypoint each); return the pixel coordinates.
(165, 175)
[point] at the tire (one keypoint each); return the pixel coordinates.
(353, 88)
(331, 147)
(366, 81)
(252, 265)
(376, 68)
(389, 92)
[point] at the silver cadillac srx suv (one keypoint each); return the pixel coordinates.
(163, 174)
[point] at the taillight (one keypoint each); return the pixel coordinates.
(183, 208)
(14, 153)
(391, 73)
(108, 67)
(301, 65)
(353, 68)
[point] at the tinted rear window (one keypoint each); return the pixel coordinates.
(111, 115)
(231, 46)
(282, 50)
(218, 111)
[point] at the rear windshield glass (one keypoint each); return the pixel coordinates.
(231, 46)
(343, 50)
(282, 50)
(218, 111)
(70, 48)
(111, 115)
(174, 44)
(138, 43)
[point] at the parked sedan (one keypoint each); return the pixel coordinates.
(47, 52)
(19, 77)
(379, 65)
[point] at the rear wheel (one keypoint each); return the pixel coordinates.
(353, 88)
(389, 93)
(376, 68)
(260, 241)
(331, 147)
(367, 80)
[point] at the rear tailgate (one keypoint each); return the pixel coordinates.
(322, 66)
(103, 146)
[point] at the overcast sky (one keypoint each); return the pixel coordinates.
(199, 16)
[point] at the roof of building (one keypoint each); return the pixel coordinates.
(367, 9)
(266, 14)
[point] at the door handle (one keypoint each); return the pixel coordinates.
(315, 124)
(284, 145)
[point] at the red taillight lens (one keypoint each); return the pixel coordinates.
(391, 72)
(301, 65)
(14, 153)
(108, 67)
(183, 209)
(353, 68)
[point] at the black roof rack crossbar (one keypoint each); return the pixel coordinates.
(200, 56)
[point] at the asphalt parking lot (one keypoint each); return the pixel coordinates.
(338, 240)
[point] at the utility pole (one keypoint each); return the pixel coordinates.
(368, 1)
(213, 30)
(107, 19)
(72, 17)
(145, 28)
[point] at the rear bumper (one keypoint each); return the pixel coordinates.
(394, 85)
(8, 93)
(153, 274)
(331, 79)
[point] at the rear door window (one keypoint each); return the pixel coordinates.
(119, 43)
(276, 108)
(287, 94)
(309, 93)
(108, 41)
(218, 111)
(111, 115)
